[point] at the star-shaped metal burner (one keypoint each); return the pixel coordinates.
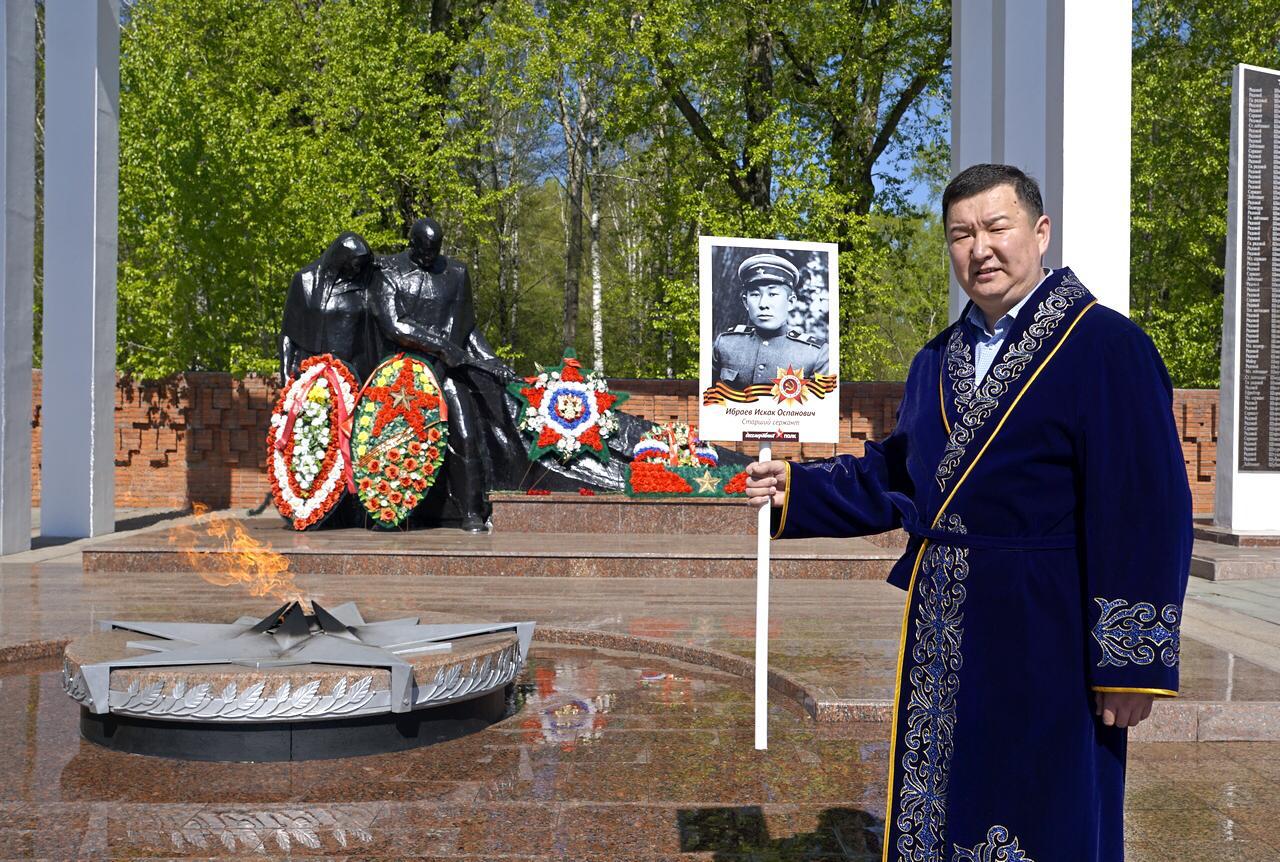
(290, 636)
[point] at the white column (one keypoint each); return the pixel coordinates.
(82, 108)
(1044, 85)
(17, 223)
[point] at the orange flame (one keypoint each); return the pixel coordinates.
(241, 559)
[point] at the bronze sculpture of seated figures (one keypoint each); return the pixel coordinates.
(362, 308)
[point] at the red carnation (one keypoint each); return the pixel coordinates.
(548, 437)
(533, 395)
(737, 485)
(652, 478)
(591, 437)
(570, 371)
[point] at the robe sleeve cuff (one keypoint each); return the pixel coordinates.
(779, 519)
(1158, 692)
(1135, 646)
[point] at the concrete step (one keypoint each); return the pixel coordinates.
(617, 513)
(1222, 536)
(1215, 561)
(452, 552)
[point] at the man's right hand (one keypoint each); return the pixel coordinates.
(767, 483)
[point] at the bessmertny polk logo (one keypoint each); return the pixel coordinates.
(788, 386)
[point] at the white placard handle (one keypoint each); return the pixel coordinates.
(762, 617)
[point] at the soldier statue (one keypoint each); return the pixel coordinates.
(423, 303)
(325, 309)
(754, 352)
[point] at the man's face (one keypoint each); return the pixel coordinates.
(995, 247)
(768, 307)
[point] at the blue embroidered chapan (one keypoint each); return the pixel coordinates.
(1050, 524)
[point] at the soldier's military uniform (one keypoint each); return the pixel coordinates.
(742, 356)
(746, 355)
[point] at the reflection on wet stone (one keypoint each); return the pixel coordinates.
(592, 734)
(842, 833)
(606, 756)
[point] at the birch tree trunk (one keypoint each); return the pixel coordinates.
(597, 289)
(575, 182)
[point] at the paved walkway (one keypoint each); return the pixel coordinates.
(1242, 617)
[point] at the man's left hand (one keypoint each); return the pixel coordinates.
(1122, 708)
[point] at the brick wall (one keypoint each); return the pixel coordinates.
(1196, 414)
(196, 437)
(200, 437)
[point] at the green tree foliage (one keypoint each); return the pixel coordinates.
(790, 108)
(1183, 56)
(253, 132)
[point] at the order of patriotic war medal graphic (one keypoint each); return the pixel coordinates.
(567, 411)
(769, 359)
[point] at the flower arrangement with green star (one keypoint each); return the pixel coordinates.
(669, 460)
(567, 411)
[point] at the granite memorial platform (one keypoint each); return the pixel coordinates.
(558, 535)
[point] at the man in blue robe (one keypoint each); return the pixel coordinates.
(1037, 469)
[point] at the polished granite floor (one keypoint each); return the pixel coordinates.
(606, 757)
(840, 638)
(611, 756)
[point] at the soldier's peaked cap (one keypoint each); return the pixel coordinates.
(764, 270)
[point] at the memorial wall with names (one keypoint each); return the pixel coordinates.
(1258, 419)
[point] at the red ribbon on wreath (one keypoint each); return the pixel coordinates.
(344, 425)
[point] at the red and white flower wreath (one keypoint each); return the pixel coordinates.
(308, 452)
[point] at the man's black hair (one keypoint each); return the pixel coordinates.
(976, 179)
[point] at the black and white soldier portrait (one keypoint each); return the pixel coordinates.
(770, 313)
(769, 339)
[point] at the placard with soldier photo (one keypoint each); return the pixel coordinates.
(769, 361)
